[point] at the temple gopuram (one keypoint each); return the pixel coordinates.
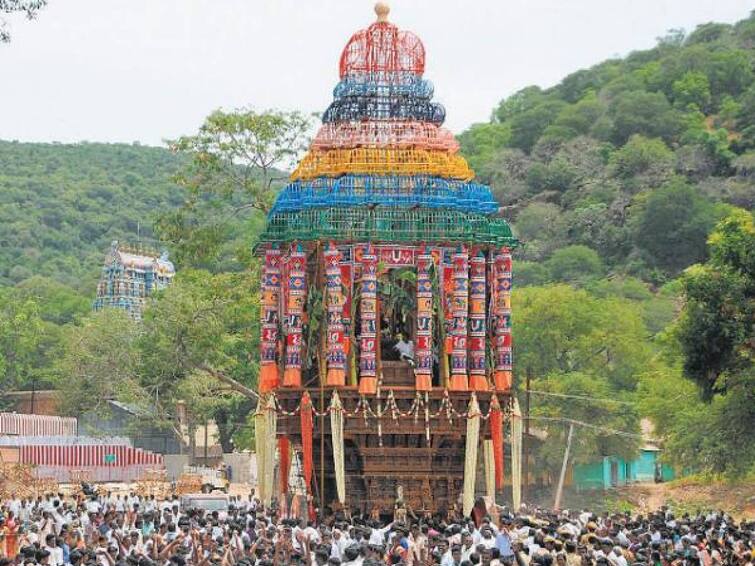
(129, 276)
(386, 354)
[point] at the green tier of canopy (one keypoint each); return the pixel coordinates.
(382, 224)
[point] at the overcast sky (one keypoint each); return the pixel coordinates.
(149, 70)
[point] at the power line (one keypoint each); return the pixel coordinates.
(583, 397)
(587, 425)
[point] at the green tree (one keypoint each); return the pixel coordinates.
(529, 125)
(746, 119)
(692, 89)
(100, 362)
(483, 141)
(672, 226)
(541, 226)
(202, 327)
(530, 273)
(649, 159)
(563, 330)
(713, 145)
(708, 33)
(699, 436)
(519, 102)
(645, 113)
(506, 172)
(21, 340)
(716, 328)
(673, 39)
(234, 161)
(59, 303)
(575, 264)
(580, 116)
(730, 71)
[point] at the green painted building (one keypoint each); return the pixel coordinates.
(612, 471)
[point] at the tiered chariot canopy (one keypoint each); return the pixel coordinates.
(383, 186)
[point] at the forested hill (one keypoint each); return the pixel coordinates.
(62, 205)
(634, 158)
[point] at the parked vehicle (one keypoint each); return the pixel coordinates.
(207, 501)
(213, 479)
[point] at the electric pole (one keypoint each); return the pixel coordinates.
(560, 489)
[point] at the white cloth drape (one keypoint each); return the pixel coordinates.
(516, 456)
(336, 432)
(271, 417)
(470, 455)
(489, 468)
(260, 443)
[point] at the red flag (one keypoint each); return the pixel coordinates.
(496, 433)
(306, 437)
(285, 462)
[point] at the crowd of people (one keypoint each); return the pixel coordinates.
(119, 530)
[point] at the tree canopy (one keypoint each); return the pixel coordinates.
(233, 171)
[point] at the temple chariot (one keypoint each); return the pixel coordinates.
(386, 354)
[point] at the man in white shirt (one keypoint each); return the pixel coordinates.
(47, 526)
(56, 553)
(24, 512)
(377, 536)
(93, 506)
(486, 537)
(616, 557)
(405, 349)
(338, 545)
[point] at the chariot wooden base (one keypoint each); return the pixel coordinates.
(397, 454)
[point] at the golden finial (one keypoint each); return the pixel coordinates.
(382, 9)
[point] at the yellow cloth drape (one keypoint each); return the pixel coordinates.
(489, 469)
(260, 443)
(516, 456)
(336, 431)
(271, 418)
(470, 455)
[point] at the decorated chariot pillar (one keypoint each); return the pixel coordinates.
(295, 300)
(503, 376)
(334, 295)
(460, 313)
(368, 324)
(269, 319)
(423, 352)
(477, 334)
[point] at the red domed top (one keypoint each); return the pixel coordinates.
(382, 48)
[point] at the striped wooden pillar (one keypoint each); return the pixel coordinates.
(503, 375)
(423, 370)
(336, 355)
(477, 291)
(269, 320)
(297, 297)
(460, 311)
(368, 324)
